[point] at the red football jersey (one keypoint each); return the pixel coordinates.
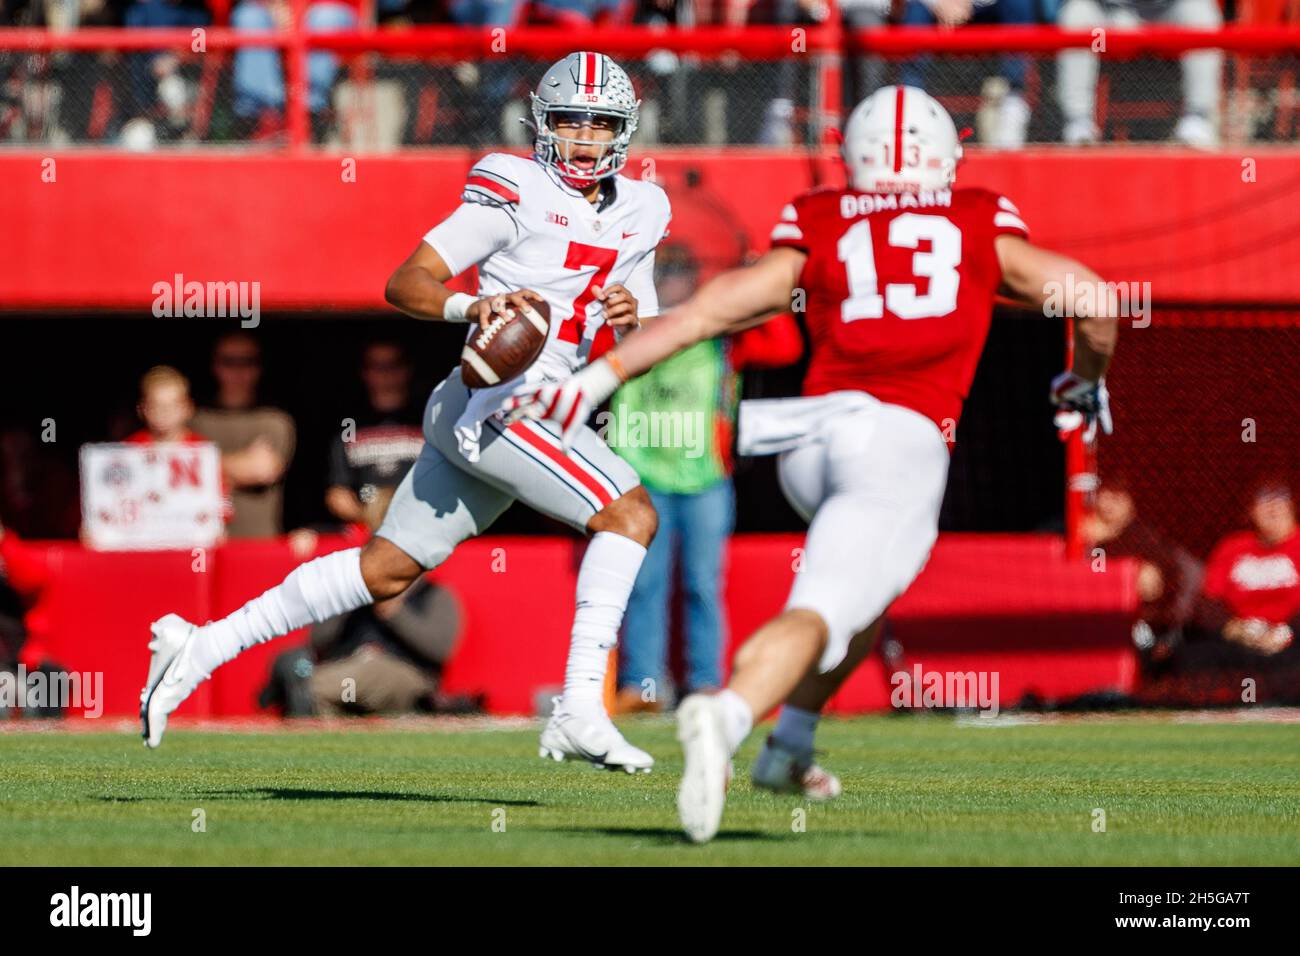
(1254, 579)
(898, 290)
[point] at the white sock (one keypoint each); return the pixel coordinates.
(737, 718)
(312, 592)
(605, 581)
(795, 729)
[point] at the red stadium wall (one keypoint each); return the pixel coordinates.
(98, 230)
(1006, 604)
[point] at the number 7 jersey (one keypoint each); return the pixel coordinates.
(898, 291)
(526, 229)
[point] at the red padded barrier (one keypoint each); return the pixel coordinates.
(1006, 603)
(100, 607)
(1010, 604)
(1236, 242)
(238, 573)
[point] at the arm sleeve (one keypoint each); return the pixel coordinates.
(773, 344)
(1007, 220)
(641, 283)
(471, 234)
(788, 232)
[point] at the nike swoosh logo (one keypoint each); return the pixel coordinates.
(587, 754)
(628, 234)
(584, 752)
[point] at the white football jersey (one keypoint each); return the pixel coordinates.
(526, 229)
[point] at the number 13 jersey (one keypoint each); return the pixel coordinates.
(898, 290)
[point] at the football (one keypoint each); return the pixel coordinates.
(505, 348)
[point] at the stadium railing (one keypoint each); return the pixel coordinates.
(714, 85)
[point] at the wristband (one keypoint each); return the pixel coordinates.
(456, 307)
(599, 381)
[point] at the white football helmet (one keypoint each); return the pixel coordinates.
(591, 83)
(900, 139)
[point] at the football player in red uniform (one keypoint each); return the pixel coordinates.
(897, 276)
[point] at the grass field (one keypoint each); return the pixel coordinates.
(918, 790)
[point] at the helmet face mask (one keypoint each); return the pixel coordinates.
(888, 153)
(574, 137)
(579, 101)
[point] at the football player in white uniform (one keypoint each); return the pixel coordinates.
(564, 226)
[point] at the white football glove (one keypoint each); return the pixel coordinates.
(568, 403)
(1081, 402)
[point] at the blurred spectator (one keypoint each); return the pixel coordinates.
(394, 651)
(62, 15)
(869, 72)
(1168, 577)
(24, 620)
(50, 97)
(165, 408)
(688, 476)
(661, 13)
(1077, 69)
(39, 493)
(12, 631)
(24, 623)
(1252, 581)
(492, 113)
(486, 13)
(1013, 111)
(256, 441)
(372, 455)
(778, 122)
(158, 93)
(382, 659)
(258, 75)
(582, 13)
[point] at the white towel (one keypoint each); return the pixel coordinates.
(485, 403)
(769, 426)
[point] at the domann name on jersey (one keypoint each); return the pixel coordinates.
(851, 206)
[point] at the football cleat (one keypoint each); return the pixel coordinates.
(172, 678)
(702, 793)
(594, 739)
(781, 770)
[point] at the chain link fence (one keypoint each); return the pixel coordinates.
(153, 99)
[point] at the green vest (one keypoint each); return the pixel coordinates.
(673, 424)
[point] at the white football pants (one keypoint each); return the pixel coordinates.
(870, 482)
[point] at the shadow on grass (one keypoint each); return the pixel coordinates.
(669, 836)
(293, 793)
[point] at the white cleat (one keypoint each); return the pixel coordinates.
(594, 739)
(783, 771)
(702, 794)
(171, 677)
